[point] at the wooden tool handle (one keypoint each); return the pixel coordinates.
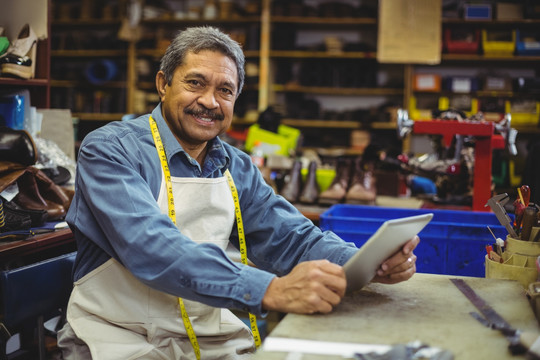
(529, 220)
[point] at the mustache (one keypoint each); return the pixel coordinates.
(201, 112)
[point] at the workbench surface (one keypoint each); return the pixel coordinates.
(428, 308)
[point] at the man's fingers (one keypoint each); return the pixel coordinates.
(312, 286)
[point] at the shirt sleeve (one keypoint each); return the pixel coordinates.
(117, 210)
(278, 235)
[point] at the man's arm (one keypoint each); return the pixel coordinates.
(318, 286)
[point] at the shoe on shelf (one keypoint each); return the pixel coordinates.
(362, 189)
(335, 194)
(291, 189)
(310, 192)
(20, 58)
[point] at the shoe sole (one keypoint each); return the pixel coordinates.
(23, 72)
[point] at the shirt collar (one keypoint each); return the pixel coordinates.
(216, 156)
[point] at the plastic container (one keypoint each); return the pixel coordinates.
(520, 117)
(461, 41)
(527, 43)
(285, 140)
(499, 43)
(453, 243)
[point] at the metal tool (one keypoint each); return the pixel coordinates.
(496, 203)
(520, 342)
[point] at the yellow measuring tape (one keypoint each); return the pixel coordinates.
(172, 214)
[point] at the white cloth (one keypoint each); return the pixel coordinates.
(119, 317)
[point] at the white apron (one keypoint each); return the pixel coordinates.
(119, 317)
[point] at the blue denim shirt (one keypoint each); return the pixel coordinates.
(115, 214)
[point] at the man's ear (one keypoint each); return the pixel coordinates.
(161, 84)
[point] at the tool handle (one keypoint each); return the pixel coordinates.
(529, 220)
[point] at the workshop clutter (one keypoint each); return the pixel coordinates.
(453, 243)
(28, 195)
(517, 258)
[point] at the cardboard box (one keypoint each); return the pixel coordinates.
(509, 11)
(427, 82)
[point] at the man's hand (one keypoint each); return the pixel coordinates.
(312, 286)
(399, 267)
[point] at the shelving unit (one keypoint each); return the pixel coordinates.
(39, 86)
(271, 46)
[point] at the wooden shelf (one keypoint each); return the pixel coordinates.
(185, 21)
(86, 22)
(4, 81)
(337, 91)
(317, 21)
(70, 84)
(323, 54)
(99, 116)
(88, 53)
(489, 58)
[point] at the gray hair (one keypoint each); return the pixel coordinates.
(197, 39)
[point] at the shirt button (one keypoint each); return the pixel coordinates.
(247, 296)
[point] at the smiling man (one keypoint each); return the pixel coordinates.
(157, 200)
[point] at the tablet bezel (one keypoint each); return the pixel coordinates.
(386, 241)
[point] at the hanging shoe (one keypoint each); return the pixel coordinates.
(338, 188)
(291, 190)
(362, 189)
(20, 58)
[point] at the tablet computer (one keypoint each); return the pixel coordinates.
(386, 241)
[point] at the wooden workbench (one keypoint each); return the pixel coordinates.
(428, 308)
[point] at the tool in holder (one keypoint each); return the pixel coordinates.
(496, 203)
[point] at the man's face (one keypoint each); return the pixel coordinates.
(198, 104)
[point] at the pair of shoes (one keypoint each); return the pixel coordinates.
(295, 190)
(354, 183)
(20, 58)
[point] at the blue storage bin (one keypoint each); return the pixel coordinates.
(529, 47)
(453, 243)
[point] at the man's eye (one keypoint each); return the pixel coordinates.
(226, 91)
(193, 82)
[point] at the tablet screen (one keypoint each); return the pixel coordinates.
(386, 241)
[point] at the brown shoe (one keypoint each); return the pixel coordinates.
(338, 188)
(362, 189)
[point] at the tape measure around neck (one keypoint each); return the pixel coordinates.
(172, 215)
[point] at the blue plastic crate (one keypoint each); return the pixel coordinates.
(453, 243)
(529, 47)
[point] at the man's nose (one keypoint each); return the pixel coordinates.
(208, 99)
